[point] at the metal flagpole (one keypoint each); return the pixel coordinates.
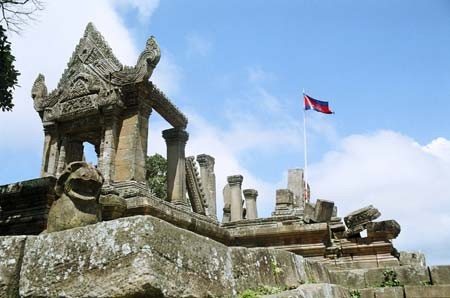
(305, 148)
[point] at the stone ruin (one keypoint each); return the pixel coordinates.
(117, 239)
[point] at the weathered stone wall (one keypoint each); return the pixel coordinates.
(140, 256)
(143, 256)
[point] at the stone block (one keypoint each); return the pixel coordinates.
(441, 291)
(316, 272)
(353, 279)
(440, 275)
(413, 258)
(391, 292)
(406, 275)
(284, 197)
(112, 206)
(321, 290)
(323, 211)
(24, 206)
(386, 229)
(367, 293)
(11, 251)
(143, 256)
(309, 212)
(361, 216)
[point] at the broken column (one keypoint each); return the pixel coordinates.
(235, 183)
(357, 220)
(208, 179)
(250, 203)
(284, 202)
(226, 204)
(176, 139)
(296, 185)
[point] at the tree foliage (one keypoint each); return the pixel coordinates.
(156, 175)
(8, 73)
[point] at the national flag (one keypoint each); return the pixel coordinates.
(316, 105)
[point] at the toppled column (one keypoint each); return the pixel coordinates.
(296, 184)
(226, 204)
(236, 211)
(208, 178)
(250, 203)
(176, 139)
(357, 220)
(284, 202)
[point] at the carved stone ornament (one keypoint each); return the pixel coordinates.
(78, 190)
(39, 93)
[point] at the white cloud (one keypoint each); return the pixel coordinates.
(145, 8)
(405, 181)
(197, 45)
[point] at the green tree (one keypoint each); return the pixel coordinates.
(8, 73)
(156, 175)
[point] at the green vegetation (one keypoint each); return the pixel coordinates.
(390, 278)
(276, 270)
(264, 290)
(8, 73)
(355, 294)
(156, 175)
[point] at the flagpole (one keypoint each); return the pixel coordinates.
(305, 149)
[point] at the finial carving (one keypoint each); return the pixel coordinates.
(39, 93)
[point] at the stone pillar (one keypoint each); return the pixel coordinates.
(296, 185)
(108, 147)
(226, 204)
(208, 177)
(176, 139)
(132, 145)
(235, 183)
(50, 155)
(250, 203)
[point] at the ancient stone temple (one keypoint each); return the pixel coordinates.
(83, 230)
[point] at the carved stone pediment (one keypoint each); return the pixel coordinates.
(95, 79)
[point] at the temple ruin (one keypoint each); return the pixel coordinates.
(102, 102)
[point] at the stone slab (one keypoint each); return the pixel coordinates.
(440, 275)
(143, 256)
(11, 251)
(441, 291)
(393, 292)
(406, 275)
(321, 290)
(413, 258)
(353, 279)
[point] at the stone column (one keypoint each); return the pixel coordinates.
(235, 183)
(226, 204)
(132, 145)
(50, 155)
(108, 147)
(250, 203)
(208, 178)
(296, 185)
(176, 139)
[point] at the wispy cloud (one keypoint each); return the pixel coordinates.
(197, 45)
(144, 8)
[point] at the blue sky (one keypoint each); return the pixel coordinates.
(237, 69)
